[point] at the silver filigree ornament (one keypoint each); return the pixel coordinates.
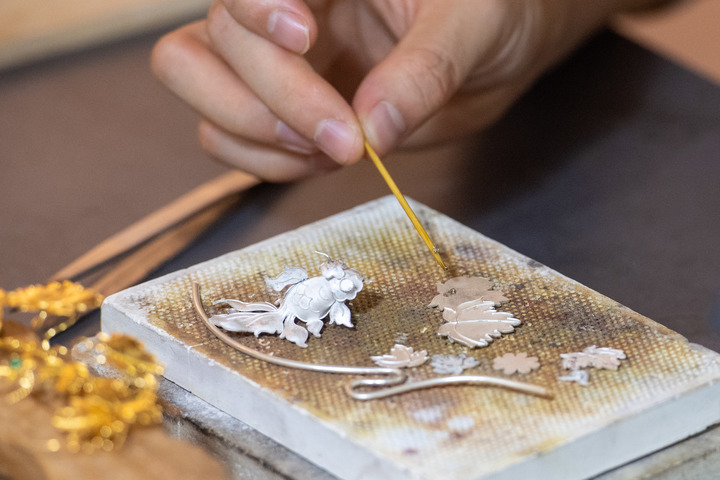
(312, 299)
(308, 299)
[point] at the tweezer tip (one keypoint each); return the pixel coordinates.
(442, 264)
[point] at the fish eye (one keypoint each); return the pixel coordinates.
(347, 285)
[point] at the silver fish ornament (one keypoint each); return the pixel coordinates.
(309, 299)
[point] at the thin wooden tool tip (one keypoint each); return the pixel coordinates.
(404, 204)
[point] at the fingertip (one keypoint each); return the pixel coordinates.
(159, 55)
(170, 50)
(384, 126)
(340, 140)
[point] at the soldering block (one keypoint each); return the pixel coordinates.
(664, 391)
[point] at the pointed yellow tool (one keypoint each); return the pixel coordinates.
(404, 204)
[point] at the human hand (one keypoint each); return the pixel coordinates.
(267, 76)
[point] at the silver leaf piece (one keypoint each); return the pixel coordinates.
(468, 306)
(401, 356)
(476, 323)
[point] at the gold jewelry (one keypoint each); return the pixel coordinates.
(63, 299)
(96, 412)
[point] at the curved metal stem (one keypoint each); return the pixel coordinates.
(392, 382)
(352, 387)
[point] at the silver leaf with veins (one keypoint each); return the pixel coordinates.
(401, 357)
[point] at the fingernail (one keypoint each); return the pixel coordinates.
(289, 30)
(335, 138)
(290, 139)
(384, 126)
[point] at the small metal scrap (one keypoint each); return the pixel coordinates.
(603, 357)
(581, 377)
(401, 337)
(453, 364)
(401, 357)
(516, 363)
(308, 299)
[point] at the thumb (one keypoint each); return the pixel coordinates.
(425, 69)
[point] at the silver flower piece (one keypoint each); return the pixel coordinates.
(308, 299)
(401, 356)
(453, 364)
(516, 363)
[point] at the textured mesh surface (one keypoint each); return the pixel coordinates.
(455, 432)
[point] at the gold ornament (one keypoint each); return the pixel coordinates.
(95, 412)
(62, 299)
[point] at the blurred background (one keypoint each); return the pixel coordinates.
(31, 30)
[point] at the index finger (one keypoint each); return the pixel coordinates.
(290, 88)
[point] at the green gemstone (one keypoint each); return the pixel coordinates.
(15, 362)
